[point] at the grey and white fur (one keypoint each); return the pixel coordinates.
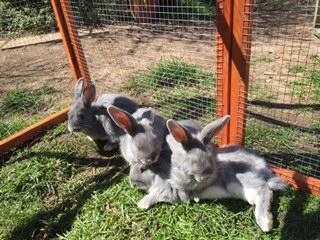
(143, 136)
(91, 117)
(205, 173)
(144, 147)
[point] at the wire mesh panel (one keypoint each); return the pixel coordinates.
(161, 52)
(284, 94)
(34, 75)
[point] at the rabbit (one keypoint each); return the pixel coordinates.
(91, 118)
(143, 136)
(141, 142)
(193, 156)
(144, 147)
(176, 187)
(206, 173)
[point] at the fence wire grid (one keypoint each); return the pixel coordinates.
(34, 71)
(163, 53)
(159, 52)
(284, 93)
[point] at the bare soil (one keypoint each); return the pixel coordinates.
(119, 53)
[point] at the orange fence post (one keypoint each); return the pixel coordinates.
(66, 38)
(241, 50)
(224, 37)
(75, 40)
(234, 27)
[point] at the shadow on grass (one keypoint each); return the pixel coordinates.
(289, 106)
(282, 123)
(299, 225)
(50, 223)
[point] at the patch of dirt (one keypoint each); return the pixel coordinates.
(119, 53)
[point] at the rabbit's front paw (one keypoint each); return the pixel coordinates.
(144, 203)
(265, 223)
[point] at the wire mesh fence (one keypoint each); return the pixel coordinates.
(34, 74)
(163, 53)
(159, 52)
(284, 94)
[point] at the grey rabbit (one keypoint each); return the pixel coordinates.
(143, 136)
(205, 173)
(90, 117)
(143, 145)
(176, 187)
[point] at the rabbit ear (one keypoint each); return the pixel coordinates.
(78, 90)
(212, 129)
(89, 94)
(179, 133)
(123, 119)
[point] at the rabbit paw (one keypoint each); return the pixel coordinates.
(144, 204)
(265, 223)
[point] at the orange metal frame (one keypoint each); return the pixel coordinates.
(234, 26)
(233, 55)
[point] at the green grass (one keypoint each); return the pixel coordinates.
(284, 146)
(11, 126)
(169, 73)
(308, 85)
(178, 89)
(20, 108)
(25, 100)
(261, 92)
(60, 188)
(265, 137)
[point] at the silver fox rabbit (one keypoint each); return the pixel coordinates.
(91, 118)
(143, 137)
(207, 174)
(145, 148)
(141, 142)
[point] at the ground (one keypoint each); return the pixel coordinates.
(62, 187)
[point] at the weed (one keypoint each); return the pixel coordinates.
(297, 69)
(267, 138)
(315, 79)
(170, 73)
